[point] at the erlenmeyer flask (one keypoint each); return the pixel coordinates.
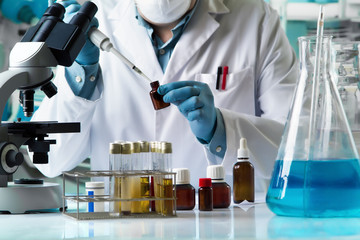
(317, 171)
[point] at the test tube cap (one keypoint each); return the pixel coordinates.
(126, 148)
(215, 172)
(115, 148)
(135, 147)
(182, 175)
(144, 146)
(166, 147)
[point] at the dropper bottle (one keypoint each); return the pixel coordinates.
(156, 98)
(243, 176)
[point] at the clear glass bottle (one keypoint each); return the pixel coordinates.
(317, 171)
(221, 190)
(243, 176)
(156, 98)
(185, 192)
(205, 194)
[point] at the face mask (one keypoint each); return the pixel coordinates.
(163, 11)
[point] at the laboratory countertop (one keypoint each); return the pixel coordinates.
(244, 221)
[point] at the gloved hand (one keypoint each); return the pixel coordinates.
(196, 102)
(89, 54)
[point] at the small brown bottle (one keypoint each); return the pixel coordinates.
(221, 190)
(205, 194)
(243, 176)
(156, 98)
(185, 192)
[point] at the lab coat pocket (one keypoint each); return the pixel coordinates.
(239, 92)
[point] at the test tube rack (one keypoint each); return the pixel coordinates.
(81, 199)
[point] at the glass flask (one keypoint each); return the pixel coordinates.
(317, 171)
(346, 63)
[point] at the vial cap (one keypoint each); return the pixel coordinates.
(126, 148)
(144, 146)
(243, 151)
(94, 185)
(182, 175)
(205, 182)
(135, 147)
(215, 172)
(115, 148)
(166, 147)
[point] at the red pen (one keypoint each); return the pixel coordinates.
(225, 72)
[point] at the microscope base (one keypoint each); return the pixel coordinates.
(21, 198)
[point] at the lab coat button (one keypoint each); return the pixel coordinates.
(162, 51)
(78, 79)
(92, 78)
(218, 149)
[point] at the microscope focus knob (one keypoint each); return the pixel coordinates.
(14, 158)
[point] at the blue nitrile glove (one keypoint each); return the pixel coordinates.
(196, 102)
(89, 54)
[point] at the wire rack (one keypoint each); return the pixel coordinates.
(109, 199)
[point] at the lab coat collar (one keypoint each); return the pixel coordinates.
(138, 47)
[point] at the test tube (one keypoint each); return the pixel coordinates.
(153, 167)
(135, 180)
(125, 180)
(166, 188)
(115, 182)
(144, 180)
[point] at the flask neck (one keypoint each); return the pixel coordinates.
(308, 50)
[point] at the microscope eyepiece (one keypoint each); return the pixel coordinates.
(83, 17)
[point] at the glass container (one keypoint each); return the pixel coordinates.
(316, 173)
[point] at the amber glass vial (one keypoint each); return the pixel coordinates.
(243, 176)
(221, 190)
(156, 98)
(185, 192)
(205, 194)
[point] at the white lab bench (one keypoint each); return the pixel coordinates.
(245, 221)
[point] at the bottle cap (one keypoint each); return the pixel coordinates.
(144, 146)
(166, 147)
(243, 151)
(155, 84)
(215, 172)
(205, 182)
(94, 185)
(182, 175)
(135, 147)
(126, 148)
(115, 148)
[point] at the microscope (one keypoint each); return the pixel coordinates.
(49, 43)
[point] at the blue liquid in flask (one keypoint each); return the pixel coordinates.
(321, 188)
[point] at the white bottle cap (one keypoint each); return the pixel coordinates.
(243, 151)
(182, 175)
(215, 172)
(94, 185)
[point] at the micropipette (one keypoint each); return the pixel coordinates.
(103, 43)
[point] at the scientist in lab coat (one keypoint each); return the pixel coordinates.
(181, 44)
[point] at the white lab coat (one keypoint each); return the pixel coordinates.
(244, 35)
